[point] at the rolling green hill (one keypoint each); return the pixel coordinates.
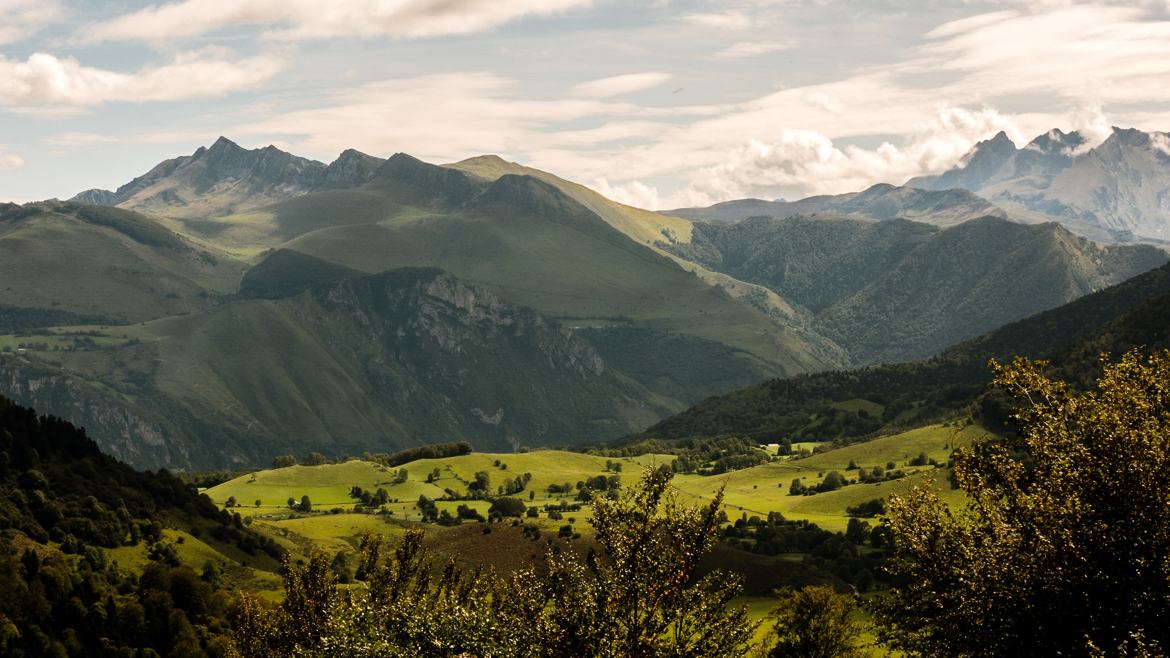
(97, 264)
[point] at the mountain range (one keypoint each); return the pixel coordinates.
(235, 304)
(1117, 191)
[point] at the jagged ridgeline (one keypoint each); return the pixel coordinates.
(508, 336)
(235, 304)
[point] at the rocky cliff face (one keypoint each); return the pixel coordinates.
(370, 363)
(1116, 191)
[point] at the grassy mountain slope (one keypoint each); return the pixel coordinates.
(104, 263)
(655, 230)
(900, 290)
(374, 363)
(1132, 314)
(535, 246)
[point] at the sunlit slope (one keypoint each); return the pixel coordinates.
(754, 491)
(642, 225)
(104, 264)
(658, 231)
(537, 247)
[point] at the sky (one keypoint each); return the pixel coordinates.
(656, 103)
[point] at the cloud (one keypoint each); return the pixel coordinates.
(9, 160)
(45, 79)
(314, 19)
(619, 85)
(1102, 54)
(728, 20)
(805, 162)
(74, 139)
(745, 49)
(20, 19)
(441, 117)
(634, 193)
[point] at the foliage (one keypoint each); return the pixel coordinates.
(57, 487)
(505, 506)
(639, 595)
(432, 451)
(1064, 546)
(813, 622)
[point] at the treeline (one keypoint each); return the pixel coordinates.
(696, 454)
(14, 319)
(433, 451)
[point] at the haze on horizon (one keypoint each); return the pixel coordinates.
(657, 103)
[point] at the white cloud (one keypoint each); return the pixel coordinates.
(9, 160)
(73, 139)
(744, 49)
(620, 84)
(314, 19)
(634, 193)
(1160, 142)
(20, 19)
(729, 20)
(805, 162)
(45, 79)
(438, 117)
(1101, 54)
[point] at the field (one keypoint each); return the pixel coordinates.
(334, 527)
(264, 495)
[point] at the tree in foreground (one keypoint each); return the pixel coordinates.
(640, 595)
(814, 623)
(1064, 545)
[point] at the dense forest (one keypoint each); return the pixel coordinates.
(62, 501)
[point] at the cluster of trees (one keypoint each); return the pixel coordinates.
(366, 498)
(832, 556)
(702, 455)
(433, 451)
(513, 486)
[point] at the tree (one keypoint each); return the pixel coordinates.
(640, 594)
(814, 623)
(505, 506)
(1063, 547)
(230, 502)
(314, 459)
(283, 461)
(306, 505)
(857, 531)
(797, 488)
(481, 484)
(832, 482)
